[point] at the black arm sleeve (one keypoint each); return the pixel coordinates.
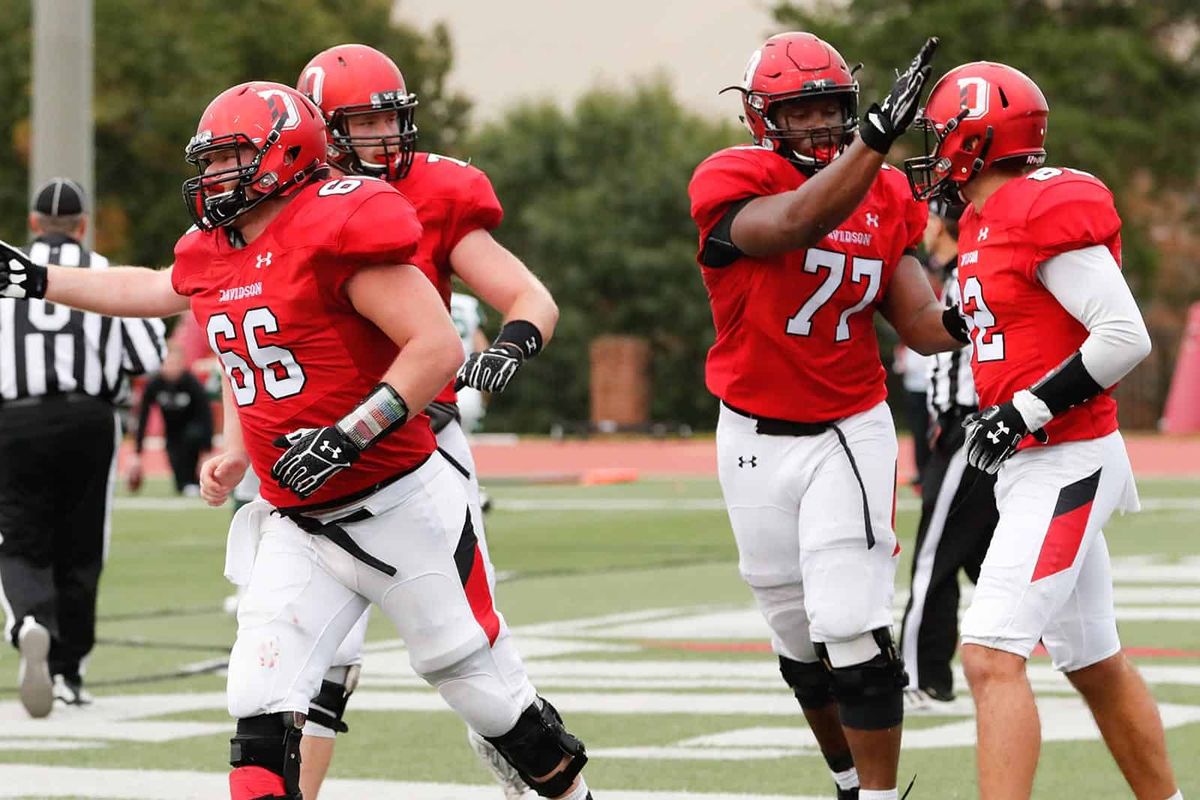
(148, 395)
(719, 249)
(1067, 385)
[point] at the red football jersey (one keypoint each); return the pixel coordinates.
(795, 334)
(296, 352)
(452, 199)
(1020, 330)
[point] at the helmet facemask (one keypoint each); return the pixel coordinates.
(810, 149)
(213, 209)
(933, 174)
(398, 148)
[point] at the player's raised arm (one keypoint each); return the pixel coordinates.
(800, 218)
(924, 324)
(116, 292)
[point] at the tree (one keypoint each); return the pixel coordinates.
(596, 204)
(158, 65)
(1122, 78)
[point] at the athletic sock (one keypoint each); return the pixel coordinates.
(847, 779)
(1177, 796)
(878, 794)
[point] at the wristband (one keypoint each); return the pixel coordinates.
(523, 334)
(1067, 385)
(378, 414)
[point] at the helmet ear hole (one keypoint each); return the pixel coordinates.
(970, 144)
(291, 154)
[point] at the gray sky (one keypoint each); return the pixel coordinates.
(509, 49)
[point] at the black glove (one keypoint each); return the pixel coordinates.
(313, 456)
(885, 122)
(993, 435)
(490, 370)
(955, 324)
(19, 277)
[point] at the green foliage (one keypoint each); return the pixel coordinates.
(1122, 78)
(158, 65)
(596, 204)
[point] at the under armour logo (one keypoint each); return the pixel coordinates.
(262, 260)
(751, 462)
(1001, 430)
(982, 237)
(334, 452)
(873, 220)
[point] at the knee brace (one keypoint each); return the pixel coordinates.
(811, 682)
(272, 742)
(329, 705)
(537, 744)
(868, 679)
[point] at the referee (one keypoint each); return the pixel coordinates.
(958, 502)
(59, 372)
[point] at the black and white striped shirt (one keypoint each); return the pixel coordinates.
(50, 349)
(950, 381)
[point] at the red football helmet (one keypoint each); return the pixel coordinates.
(283, 129)
(353, 79)
(791, 66)
(976, 115)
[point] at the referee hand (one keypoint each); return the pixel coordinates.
(20, 278)
(219, 476)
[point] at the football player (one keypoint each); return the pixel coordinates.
(1054, 327)
(804, 235)
(370, 117)
(331, 342)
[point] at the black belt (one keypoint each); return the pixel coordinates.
(334, 532)
(769, 426)
(66, 397)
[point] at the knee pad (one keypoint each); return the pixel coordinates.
(868, 679)
(811, 682)
(474, 687)
(537, 744)
(271, 742)
(329, 704)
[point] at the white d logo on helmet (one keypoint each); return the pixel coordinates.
(283, 105)
(751, 65)
(973, 96)
(313, 82)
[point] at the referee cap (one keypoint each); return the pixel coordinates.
(59, 197)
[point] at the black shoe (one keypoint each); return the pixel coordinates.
(69, 690)
(939, 695)
(848, 794)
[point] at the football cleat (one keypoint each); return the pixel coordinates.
(33, 676)
(70, 691)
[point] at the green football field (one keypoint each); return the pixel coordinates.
(628, 606)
